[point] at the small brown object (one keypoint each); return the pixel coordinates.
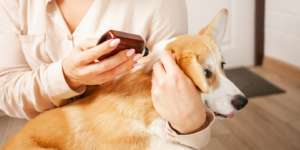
(128, 41)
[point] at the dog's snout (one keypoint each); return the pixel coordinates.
(239, 102)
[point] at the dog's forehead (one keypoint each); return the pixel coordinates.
(214, 56)
(197, 43)
(204, 47)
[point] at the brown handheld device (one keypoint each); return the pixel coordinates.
(128, 41)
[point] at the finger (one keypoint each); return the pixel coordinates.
(95, 52)
(159, 71)
(120, 69)
(154, 86)
(111, 62)
(154, 81)
(88, 43)
(169, 63)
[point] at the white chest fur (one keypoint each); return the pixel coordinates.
(159, 140)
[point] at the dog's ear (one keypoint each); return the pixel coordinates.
(216, 29)
(190, 66)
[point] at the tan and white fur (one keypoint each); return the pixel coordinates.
(120, 114)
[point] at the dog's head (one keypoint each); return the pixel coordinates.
(199, 56)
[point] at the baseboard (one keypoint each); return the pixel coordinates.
(2, 113)
(282, 68)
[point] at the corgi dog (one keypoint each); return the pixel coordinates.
(120, 114)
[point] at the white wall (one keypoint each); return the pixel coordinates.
(282, 29)
(238, 44)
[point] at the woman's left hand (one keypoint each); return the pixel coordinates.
(175, 97)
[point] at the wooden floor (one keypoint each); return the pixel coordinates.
(266, 123)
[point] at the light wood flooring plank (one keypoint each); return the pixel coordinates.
(261, 130)
(218, 128)
(3, 125)
(271, 105)
(279, 80)
(225, 142)
(13, 126)
(214, 144)
(282, 68)
(295, 125)
(2, 113)
(285, 100)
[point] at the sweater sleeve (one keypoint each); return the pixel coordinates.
(169, 20)
(25, 93)
(195, 140)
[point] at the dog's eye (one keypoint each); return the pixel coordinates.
(222, 64)
(207, 73)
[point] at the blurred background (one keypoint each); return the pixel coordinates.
(262, 53)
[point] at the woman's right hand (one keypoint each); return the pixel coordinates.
(80, 68)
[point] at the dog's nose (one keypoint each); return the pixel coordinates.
(239, 102)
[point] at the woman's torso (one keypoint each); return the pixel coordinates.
(46, 38)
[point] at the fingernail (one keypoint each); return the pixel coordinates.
(135, 65)
(130, 52)
(114, 43)
(137, 56)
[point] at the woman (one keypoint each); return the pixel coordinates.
(46, 47)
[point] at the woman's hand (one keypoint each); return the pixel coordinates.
(79, 67)
(175, 97)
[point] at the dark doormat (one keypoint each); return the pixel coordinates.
(250, 84)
